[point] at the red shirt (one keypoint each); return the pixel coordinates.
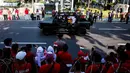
(45, 68)
(13, 53)
(17, 11)
(124, 67)
(1, 12)
(24, 68)
(65, 56)
(30, 57)
(95, 68)
(26, 11)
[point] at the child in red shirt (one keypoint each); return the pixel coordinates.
(20, 66)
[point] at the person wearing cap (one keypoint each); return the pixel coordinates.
(39, 56)
(20, 66)
(58, 44)
(96, 66)
(81, 60)
(50, 49)
(51, 66)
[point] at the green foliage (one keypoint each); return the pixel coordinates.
(78, 4)
(41, 1)
(11, 1)
(111, 4)
(19, 3)
(94, 1)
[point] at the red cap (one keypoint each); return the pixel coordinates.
(81, 53)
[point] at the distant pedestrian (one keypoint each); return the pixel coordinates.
(20, 65)
(98, 15)
(95, 16)
(17, 14)
(32, 16)
(1, 16)
(13, 15)
(101, 14)
(27, 14)
(9, 15)
(5, 14)
(37, 15)
(127, 17)
(109, 17)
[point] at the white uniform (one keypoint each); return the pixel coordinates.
(39, 56)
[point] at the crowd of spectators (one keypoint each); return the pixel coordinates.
(57, 59)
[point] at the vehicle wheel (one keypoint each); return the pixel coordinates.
(82, 30)
(45, 32)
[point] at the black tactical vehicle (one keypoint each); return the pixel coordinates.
(63, 23)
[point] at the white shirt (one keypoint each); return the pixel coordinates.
(37, 13)
(73, 19)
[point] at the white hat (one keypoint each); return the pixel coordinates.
(39, 49)
(103, 60)
(50, 49)
(20, 55)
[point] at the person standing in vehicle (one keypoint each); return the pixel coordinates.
(43, 13)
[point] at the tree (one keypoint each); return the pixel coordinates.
(11, 1)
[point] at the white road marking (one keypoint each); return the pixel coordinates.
(5, 28)
(30, 27)
(112, 29)
(27, 43)
(121, 44)
(69, 65)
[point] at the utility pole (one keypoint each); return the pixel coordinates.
(61, 3)
(33, 5)
(88, 3)
(72, 7)
(128, 2)
(124, 1)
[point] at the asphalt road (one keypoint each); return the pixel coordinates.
(100, 35)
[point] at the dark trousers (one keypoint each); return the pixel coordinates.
(109, 19)
(5, 17)
(95, 18)
(38, 17)
(127, 20)
(13, 17)
(101, 18)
